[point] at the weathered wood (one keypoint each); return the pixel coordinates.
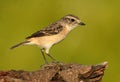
(57, 72)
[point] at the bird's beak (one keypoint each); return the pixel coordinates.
(81, 23)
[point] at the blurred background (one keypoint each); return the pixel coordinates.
(94, 43)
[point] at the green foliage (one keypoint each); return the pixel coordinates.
(96, 42)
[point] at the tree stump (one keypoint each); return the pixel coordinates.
(57, 72)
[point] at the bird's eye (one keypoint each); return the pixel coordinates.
(72, 20)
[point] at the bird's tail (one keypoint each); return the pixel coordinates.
(22, 43)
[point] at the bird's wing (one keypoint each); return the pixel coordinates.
(53, 29)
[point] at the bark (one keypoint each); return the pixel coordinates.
(57, 72)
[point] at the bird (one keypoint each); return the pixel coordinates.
(52, 34)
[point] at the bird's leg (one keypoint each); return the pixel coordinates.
(47, 53)
(54, 60)
(42, 51)
(50, 57)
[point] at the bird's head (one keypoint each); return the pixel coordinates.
(71, 21)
